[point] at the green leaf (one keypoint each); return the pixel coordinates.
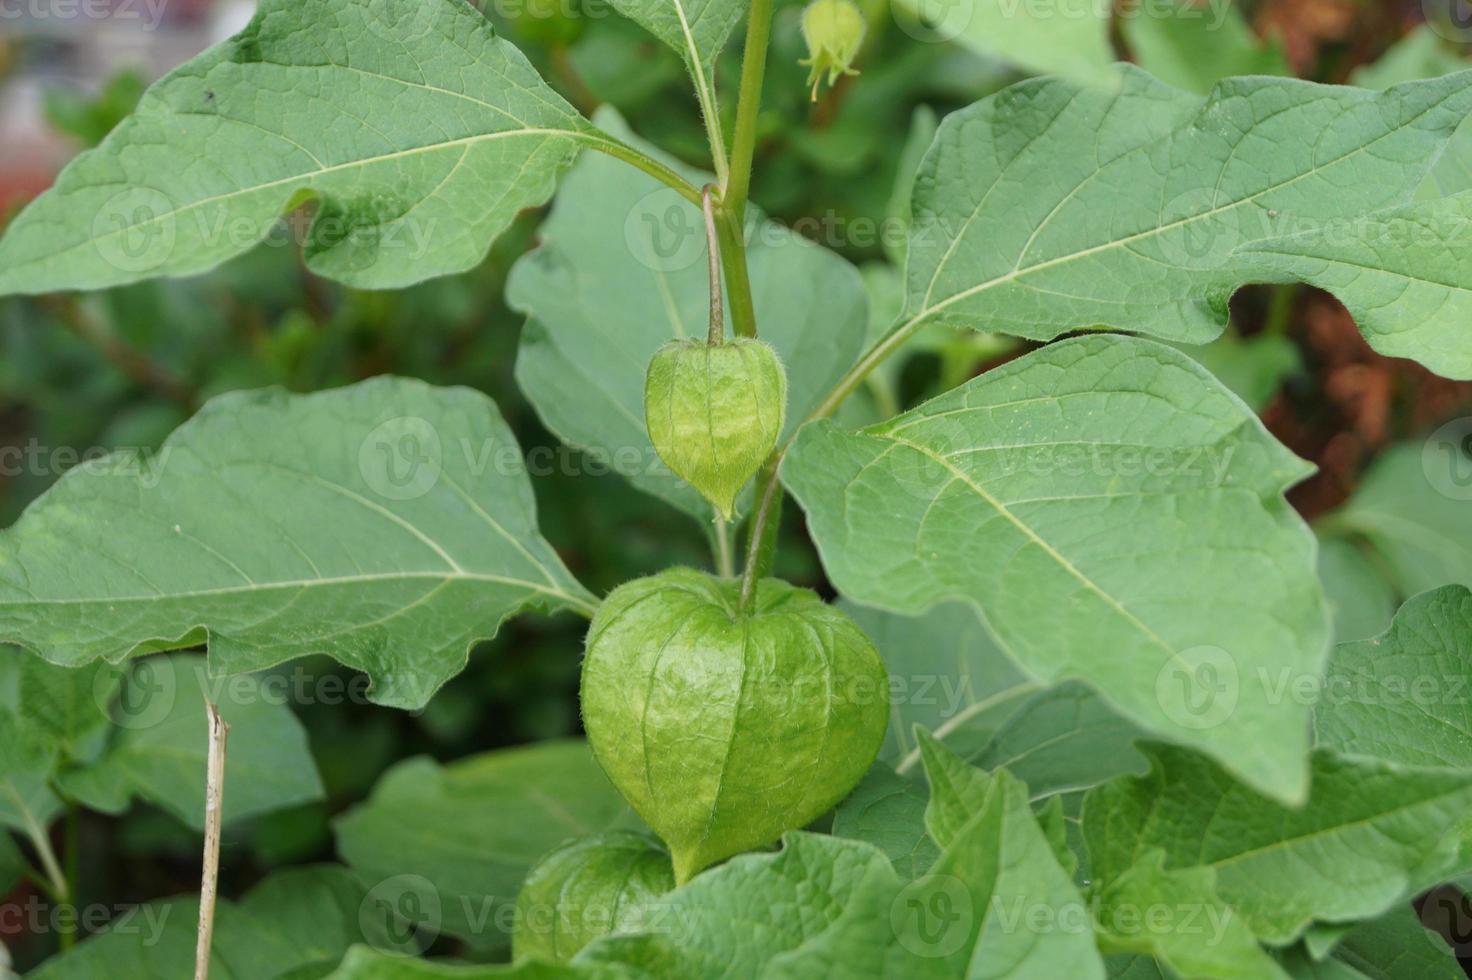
(1070, 37)
(1254, 368)
(161, 748)
(1193, 47)
(946, 675)
(391, 529)
(416, 132)
(696, 29)
(1411, 509)
(1368, 835)
(1169, 588)
(1424, 53)
(1361, 598)
(620, 271)
(27, 762)
(469, 832)
(1404, 696)
(1025, 876)
(1049, 207)
(303, 919)
(363, 963)
(66, 707)
(888, 811)
(1177, 917)
(1062, 740)
(1396, 946)
(1399, 272)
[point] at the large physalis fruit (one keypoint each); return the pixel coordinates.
(725, 729)
(586, 888)
(834, 31)
(714, 412)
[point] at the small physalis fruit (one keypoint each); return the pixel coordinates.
(725, 729)
(714, 412)
(834, 31)
(586, 888)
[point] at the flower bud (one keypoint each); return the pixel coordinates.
(834, 31)
(714, 412)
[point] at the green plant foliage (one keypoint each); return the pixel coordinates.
(297, 923)
(620, 270)
(468, 833)
(1167, 213)
(1192, 46)
(1402, 696)
(1370, 835)
(466, 136)
(980, 502)
(411, 534)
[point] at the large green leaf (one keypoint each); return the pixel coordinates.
(1361, 598)
(297, 923)
(888, 811)
(388, 524)
(1411, 508)
(467, 833)
(1025, 879)
(621, 270)
(161, 747)
(1425, 53)
(1062, 740)
(1172, 588)
(1395, 946)
(1049, 207)
(696, 29)
(415, 130)
(1190, 928)
(1070, 37)
(1406, 696)
(947, 675)
(1402, 274)
(1192, 46)
(1369, 834)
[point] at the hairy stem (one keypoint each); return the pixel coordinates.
(748, 107)
(214, 800)
(628, 154)
(72, 856)
(725, 561)
(738, 280)
(767, 489)
(36, 833)
(717, 329)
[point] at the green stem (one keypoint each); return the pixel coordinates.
(748, 107)
(622, 151)
(738, 279)
(716, 329)
(1280, 309)
(768, 486)
(725, 561)
(42, 844)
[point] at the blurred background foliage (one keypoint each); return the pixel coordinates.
(122, 368)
